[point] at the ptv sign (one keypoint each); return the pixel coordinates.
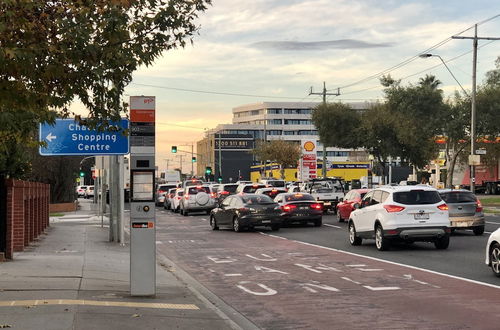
(69, 138)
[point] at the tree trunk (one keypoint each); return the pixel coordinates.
(451, 167)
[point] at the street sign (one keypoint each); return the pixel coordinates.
(481, 152)
(68, 138)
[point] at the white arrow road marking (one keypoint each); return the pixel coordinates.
(51, 137)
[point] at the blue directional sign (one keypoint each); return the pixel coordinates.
(67, 137)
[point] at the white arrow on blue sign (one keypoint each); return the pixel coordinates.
(68, 138)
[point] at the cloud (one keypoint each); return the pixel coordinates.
(317, 45)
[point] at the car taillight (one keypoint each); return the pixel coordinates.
(214, 195)
(161, 191)
(479, 206)
(443, 207)
(224, 192)
(317, 206)
(179, 198)
(393, 208)
(288, 208)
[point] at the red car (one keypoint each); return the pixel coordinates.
(345, 207)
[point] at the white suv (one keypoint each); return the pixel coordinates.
(196, 199)
(407, 213)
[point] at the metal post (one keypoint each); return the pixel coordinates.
(220, 153)
(192, 163)
(473, 112)
(121, 199)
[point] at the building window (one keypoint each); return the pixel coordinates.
(255, 112)
(274, 132)
(290, 132)
(274, 122)
(274, 111)
(297, 122)
(297, 111)
(333, 154)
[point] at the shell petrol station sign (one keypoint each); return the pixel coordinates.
(308, 162)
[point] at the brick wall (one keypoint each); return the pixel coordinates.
(27, 213)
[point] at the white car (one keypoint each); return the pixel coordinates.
(271, 191)
(493, 252)
(176, 201)
(169, 198)
(161, 191)
(404, 213)
(80, 191)
(197, 199)
(89, 192)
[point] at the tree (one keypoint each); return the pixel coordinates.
(337, 125)
(52, 52)
(285, 153)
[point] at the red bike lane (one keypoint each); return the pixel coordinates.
(283, 284)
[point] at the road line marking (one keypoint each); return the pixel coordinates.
(159, 242)
(494, 223)
(382, 288)
(356, 266)
(25, 303)
(370, 269)
(286, 239)
(329, 225)
(348, 279)
(392, 263)
(231, 275)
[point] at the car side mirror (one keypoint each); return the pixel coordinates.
(356, 206)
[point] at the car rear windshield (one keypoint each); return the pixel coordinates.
(298, 197)
(195, 190)
(230, 188)
(416, 197)
(165, 187)
(458, 197)
(252, 189)
(276, 183)
(259, 199)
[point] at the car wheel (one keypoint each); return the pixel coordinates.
(275, 227)
(495, 259)
(339, 216)
(208, 211)
(177, 210)
(185, 213)
(318, 223)
(478, 230)
(442, 243)
(354, 239)
(381, 242)
(213, 223)
(237, 225)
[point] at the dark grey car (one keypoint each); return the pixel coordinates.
(466, 211)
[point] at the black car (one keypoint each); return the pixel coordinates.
(300, 207)
(246, 211)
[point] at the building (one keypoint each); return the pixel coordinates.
(290, 121)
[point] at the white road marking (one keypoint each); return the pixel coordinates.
(308, 286)
(231, 275)
(159, 242)
(269, 270)
(356, 266)
(370, 269)
(348, 279)
(392, 263)
(268, 257)
(203, 219)
(382, 288)
(222, 260)
(493, 223)
(268, 292)
(328, 225)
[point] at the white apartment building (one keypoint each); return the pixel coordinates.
(289, 121)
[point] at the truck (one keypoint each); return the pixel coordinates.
(487, 178)
(329, 191)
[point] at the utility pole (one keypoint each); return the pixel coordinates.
(473, 105)
(324, 93)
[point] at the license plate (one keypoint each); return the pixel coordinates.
(266, 221)
(327, 204)
(303, 208)
(421, 216)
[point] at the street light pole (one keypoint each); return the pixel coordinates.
(444, 63)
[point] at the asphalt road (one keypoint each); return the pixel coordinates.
(304, 277)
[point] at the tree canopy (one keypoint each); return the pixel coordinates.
(52, 52)
(285, 153)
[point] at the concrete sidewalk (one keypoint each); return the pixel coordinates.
(73, 278)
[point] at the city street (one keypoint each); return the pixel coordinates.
(309, 277)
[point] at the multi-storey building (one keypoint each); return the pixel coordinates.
(290, 121)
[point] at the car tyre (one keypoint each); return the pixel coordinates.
(275, 227)
(354, 239)
(442, 243)
(495, 259)
(213, 223)
(185, 213)
(339, 216)
(318, 223)
(478, 231)
(237, 225)
(381, 242)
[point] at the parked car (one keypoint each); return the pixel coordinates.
(161, 191)
(346, 205)
(405, 213)
(196, 199)
(271, 191)
(169, 197)
(89, 192)
(80, 191)
(466, 211)
(249, 188)
(176, 201)
(225, 190)
(493, 252)
(246, 211)
(300, 207)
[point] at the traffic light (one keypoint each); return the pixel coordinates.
(208, 170)
(193, 159)
(82, 174)
(219, 179)
(174, 149)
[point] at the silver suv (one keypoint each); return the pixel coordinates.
(196, 199)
